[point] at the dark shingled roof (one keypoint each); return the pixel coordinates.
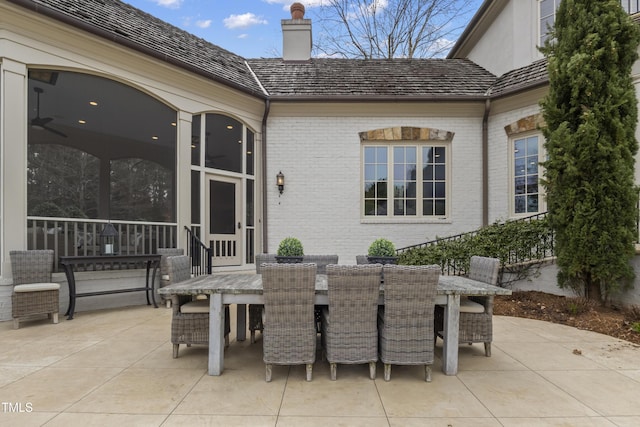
(406, 78)
(320, 78)
(127, 25)
(534, 74)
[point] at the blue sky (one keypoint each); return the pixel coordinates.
(250, 28)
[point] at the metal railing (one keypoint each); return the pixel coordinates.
(542, 246)
(200, 254)
(81, 237)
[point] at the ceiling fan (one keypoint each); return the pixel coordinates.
(41, 122)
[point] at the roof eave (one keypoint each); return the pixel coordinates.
(520, 89)
(377, 98)
(62, 17)
(473, 25)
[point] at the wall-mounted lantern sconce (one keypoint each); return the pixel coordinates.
(280, 181)
(109, 240)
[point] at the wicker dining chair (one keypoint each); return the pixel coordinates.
(476, 312)
(362, 259)
(255, 310)
(349, 325)
(190, 318)
(164, 274)
(289, 335)
(405, 324)
(321, 262)
(33, 291)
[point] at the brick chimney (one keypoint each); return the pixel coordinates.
(296, 35)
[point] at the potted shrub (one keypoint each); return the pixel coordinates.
(290, 251)
(382, 251)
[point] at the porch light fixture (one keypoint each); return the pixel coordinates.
(108, 240)
(280, 181)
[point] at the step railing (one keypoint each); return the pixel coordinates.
(201, 254)
(534, 248)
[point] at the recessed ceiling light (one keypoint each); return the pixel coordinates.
(154, 137)
(229, 127)
(82, 122)
(94, 103)
(174, 124)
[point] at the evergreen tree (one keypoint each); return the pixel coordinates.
(591, 115)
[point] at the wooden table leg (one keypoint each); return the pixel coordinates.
(241, 322)
(451, 328)
(216, 335)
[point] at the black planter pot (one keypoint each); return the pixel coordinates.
(382, 259)
(286, 259)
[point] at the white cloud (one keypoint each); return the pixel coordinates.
(286, 4)
(204, 23)
(243, 36)
(171, 4)
(243, 21)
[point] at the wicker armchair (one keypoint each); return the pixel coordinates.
(476, 312)
(255, 310)
(190, 320)
(349, 327)
(164, 273)
(289, 336)
(33, 291)
(405, 324)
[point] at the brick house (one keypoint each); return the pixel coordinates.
(109, 114)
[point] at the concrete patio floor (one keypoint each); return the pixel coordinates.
(115, 367)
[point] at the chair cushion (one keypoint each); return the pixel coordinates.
(36, 287)
(201, 306)
(468, 306)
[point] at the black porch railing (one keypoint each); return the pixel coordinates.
(200, 254)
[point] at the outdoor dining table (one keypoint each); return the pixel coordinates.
(242, 289)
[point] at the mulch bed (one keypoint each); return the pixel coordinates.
(576, 312)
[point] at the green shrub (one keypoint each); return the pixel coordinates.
(511, 242)
(382, 247)
(290, 246)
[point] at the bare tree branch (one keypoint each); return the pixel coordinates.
(390, 28)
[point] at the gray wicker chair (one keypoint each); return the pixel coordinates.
(289, 335)
(362, 259)
(321, 261)
(33, 291)
(476, 312)
(349, 327)
(405, 324)
(190, 319)
(255, 310)
(164, 274)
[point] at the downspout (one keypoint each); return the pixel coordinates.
(265, 242)
(485, 163)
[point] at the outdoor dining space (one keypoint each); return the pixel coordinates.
(403, 325)
(115, 367)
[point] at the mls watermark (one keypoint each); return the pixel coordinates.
(16, 407)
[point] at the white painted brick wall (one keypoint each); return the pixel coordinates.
(320, 158)
(499, 159)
